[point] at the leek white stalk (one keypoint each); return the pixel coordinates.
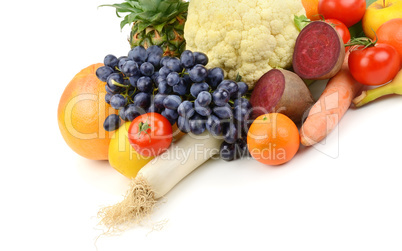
(158, 177)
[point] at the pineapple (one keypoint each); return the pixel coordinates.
(155, 22)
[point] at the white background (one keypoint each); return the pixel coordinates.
(344, 195)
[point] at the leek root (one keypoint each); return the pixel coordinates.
(157, 178)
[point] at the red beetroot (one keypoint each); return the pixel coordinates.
(281, 91)
(319, 51)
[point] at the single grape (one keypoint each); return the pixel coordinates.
(164, 88)
(164, 71)
(197, 124)
(171, 121)
(174, 64)
(202, 110)
(181, 88)
(220, 97)
(164, 60)
(147, 69)
(172, 102)
(171, 114)
(114, 91)
(215, 76)
(154, 59)
(132, 111)
(115, 77)
(243, 88)
(196, 88)
(230, 86)
(187, 59)
(108, 96)
(122, 113)
(144, 84)
(214, 125)
(158, 101)
(111, 61)
(130, 68)
(186, 109)
(154, 49)
(142, 100)
(230, 133)
(223, 112)
(183, 124)
(152, 108)
(118, 101)
(204, 98)
(198, 73)
(243, 102)
(173, 78)
(138, 54)
(122, 60)
(112, 122)
(240, 113)
(103, 72)
(200, 58)
(227, 151)
(160, 79)
(233, 89)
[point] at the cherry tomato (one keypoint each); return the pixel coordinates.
(340, 28)
(150, 134)
(349, 12)
(374, 65)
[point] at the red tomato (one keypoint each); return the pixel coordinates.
(150, 134)
(340, 28)
(349, 12)
(374, 65)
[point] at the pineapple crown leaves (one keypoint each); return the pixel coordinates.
(156, 13)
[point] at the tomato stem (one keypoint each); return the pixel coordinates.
(144, 127)
(362, 41)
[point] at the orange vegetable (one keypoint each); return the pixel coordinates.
(330, 107)
(311, 7)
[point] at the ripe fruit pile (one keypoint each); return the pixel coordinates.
(181, 89)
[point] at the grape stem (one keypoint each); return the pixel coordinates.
(118, 84)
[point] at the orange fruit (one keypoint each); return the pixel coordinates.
(81, 113)
(311, 7)
(390, 33)
(273, 139)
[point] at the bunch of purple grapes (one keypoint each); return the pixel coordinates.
(183, 90)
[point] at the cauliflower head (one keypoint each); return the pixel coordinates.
(246, 37)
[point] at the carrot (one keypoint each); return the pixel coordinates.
(335, 100)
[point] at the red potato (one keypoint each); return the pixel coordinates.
(281, 91)
(319, 51)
